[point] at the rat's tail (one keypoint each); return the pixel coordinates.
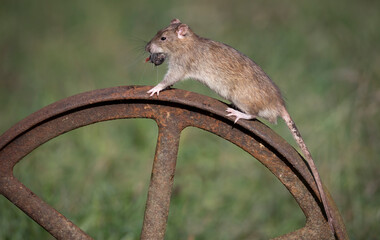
(297, 136)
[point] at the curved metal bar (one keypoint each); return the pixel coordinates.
(173, 110)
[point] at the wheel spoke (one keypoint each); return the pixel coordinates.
(159, 193)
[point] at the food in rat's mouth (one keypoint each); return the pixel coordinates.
(156, 58)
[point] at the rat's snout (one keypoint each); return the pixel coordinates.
(147, 47)
(152, 47)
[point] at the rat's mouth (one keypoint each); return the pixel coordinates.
(156, 58)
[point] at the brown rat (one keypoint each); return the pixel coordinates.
(229, 73)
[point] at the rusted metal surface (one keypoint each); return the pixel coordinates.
(173, 111)
(157, 206)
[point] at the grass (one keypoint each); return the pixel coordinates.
(323, 55)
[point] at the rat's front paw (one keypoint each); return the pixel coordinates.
(156, 90)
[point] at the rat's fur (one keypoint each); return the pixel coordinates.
(222, 68)
(231, 74)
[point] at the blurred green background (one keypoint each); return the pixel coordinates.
(324, 55)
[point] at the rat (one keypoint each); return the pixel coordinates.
(230, 74)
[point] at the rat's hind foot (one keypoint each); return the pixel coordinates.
(239, 115)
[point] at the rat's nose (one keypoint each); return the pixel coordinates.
(147, 47)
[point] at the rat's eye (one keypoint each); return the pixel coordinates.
(163, 38)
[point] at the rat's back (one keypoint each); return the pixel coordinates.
(237, 78)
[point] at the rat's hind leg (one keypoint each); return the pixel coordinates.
(239, 115)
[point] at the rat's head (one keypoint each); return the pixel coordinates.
(168, 41)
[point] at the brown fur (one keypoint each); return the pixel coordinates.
(215, 64)
(231, 74)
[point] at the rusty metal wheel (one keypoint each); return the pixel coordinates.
(173, 111)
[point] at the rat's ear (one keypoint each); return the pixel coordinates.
(175, 21)
(182, 30)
